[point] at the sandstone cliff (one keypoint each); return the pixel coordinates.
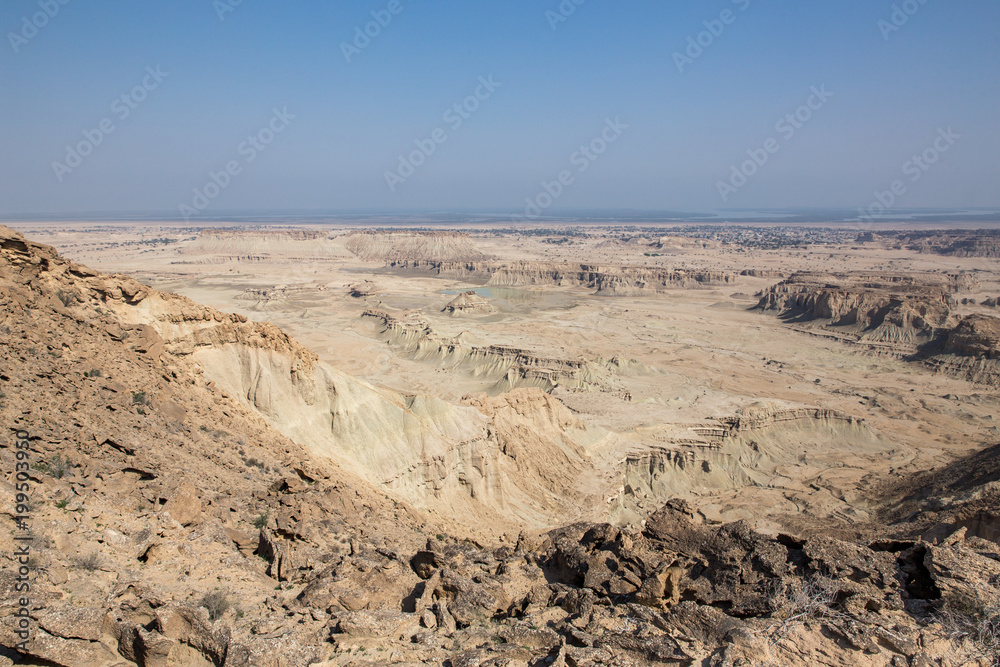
(606, 280)
(905, 315)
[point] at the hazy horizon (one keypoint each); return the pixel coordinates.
(202, 108)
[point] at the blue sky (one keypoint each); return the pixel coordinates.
(892, 92)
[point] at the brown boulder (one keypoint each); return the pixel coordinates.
(185, 505)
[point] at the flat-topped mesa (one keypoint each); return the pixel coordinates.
(474, 270)
(763, 273)
(607, 280)
(902, 283)
(636, 281)
(211, 233)
(470, 303)
(973, 247)
(769, 415)
(260, 245)
(513, 274)
(395, 246)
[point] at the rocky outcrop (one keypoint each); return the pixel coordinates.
(278, 296)
(470, 303)
(892, 314)
(971, 350)
(679, 592)
(906, 315)
(975, 336)
(763, 273)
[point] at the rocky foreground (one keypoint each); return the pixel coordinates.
(169, 525)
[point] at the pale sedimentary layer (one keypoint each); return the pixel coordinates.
(606, 280)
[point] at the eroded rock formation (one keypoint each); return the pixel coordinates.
(606, 280)
(470, 303)
(503, 367)
(905, 315)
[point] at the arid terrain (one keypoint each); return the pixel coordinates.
(549, 445)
